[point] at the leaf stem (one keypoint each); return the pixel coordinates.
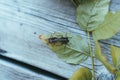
(92, 56)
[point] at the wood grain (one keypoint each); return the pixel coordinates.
(22, 21)
(9, 71)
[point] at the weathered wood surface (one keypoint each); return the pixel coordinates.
(22, 21)
(9, 71)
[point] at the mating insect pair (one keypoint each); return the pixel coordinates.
(62, 40)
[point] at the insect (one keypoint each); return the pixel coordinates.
(62, 40)
(53, 40)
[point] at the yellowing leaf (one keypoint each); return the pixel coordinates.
(102, 58)
(115, 52)
(92, 13)
(74, 52)
(109, 27)
(82, 74)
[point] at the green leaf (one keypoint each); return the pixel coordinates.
(91, 14)
(109, 27)
(115, 52)
(82, 74)
(75, 52)
(99, 55)
(77, 2)
(118, 75)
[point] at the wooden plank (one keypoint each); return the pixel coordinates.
(37, 47)
(9, 71)
(54, 19)
(20, 19)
